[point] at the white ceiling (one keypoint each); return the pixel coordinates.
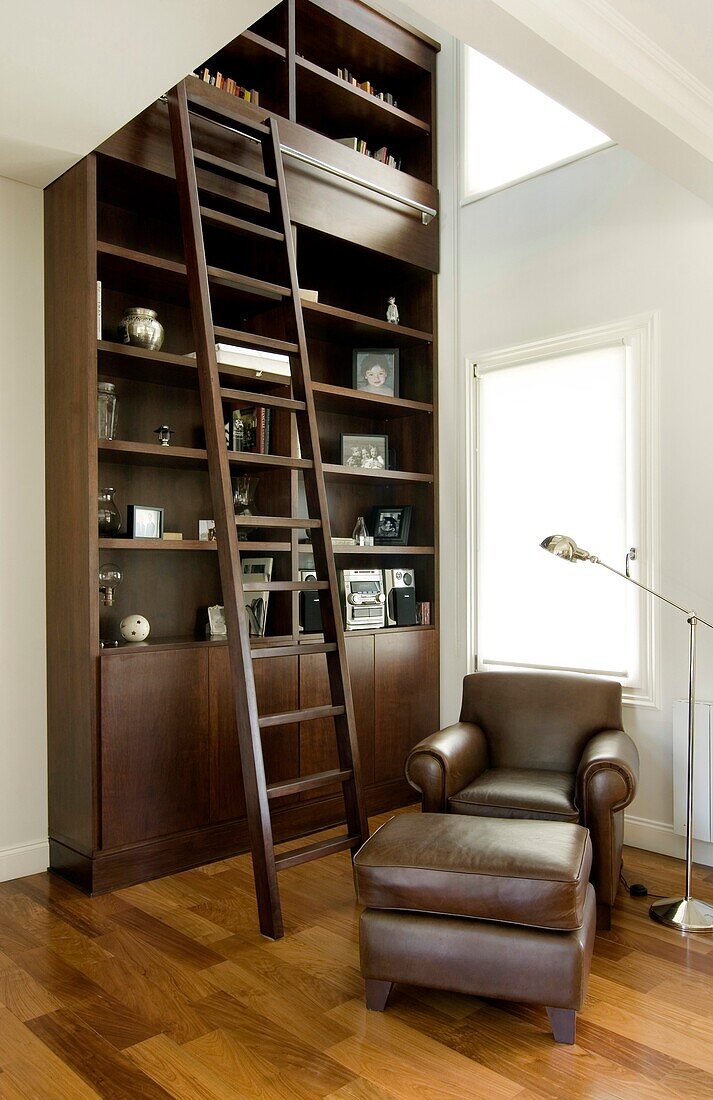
(640, 70)
(74, 71)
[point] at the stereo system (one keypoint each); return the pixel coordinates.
(364, 600)
(371, 598)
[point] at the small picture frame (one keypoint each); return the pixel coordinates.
(216, 621)
(391, 524)
(365, 452)
(206, 530)
(143, 521)
(376, 370)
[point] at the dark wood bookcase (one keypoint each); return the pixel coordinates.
(144, 769)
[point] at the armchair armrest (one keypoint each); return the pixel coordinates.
(608, 773)
(445, 762)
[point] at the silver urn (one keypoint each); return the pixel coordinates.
(141, 328)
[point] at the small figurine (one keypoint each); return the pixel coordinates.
(392, 312)
(164, 434)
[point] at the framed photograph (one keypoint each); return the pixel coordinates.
(144, 522)
(376, 370)
(391, 525)
(216, 621)
(366, 452)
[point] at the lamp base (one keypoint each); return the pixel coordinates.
(684, 914)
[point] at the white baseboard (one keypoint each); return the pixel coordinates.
(26, 859)
(658, 836)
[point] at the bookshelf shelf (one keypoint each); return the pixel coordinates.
(189, 544)
(344, 326)
(346, 474)
(343, 400)
(340, 100)
(166, 280)
(153, 454)
(376, 552)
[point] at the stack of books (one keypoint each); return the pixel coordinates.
(227, 84)
(366, 86)
(360, 146)
(249, 430)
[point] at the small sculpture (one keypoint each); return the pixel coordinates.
(392, 312)
(164, 434)
(134, 628)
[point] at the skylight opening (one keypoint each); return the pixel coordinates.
(514, 131)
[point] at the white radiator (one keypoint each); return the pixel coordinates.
(702, 780)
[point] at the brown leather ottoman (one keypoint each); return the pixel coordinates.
(481, 905)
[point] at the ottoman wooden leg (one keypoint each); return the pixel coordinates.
(377, 994)
(564, 1024)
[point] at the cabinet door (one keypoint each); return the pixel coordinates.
(276, 688)
(154, 744)
(406, 696)
(318, 746)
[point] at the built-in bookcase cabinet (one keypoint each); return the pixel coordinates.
(144, 768)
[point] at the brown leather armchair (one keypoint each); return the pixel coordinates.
(537, 745)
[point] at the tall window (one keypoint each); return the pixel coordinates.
(563, 447)
(512, 130)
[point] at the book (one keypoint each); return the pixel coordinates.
(99, 309)
(350, 142)
(309, 295)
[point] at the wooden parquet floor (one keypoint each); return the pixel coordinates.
(167, 990)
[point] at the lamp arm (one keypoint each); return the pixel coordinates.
(688, 613)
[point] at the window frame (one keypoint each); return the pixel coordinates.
(640, 334)
(466, 196)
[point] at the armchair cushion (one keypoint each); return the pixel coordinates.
(518, 792)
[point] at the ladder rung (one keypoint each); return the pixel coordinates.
(263, 399)
(252, 340)
(285, 586)
(306, 714)
(288, 522)
(237, 171)
(282, 462)
(315, 851)
(308, 783)
(239, 225)
(194, 88)
(246, 282)
(299, 650)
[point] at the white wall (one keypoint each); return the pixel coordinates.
(23, 768)
(599, 240)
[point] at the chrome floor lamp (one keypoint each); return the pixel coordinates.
(687, 914)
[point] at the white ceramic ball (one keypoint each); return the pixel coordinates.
(135, 628)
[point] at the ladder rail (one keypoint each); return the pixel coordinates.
(316, 493)
(243, 682)
(302, 409)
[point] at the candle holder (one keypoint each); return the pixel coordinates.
(164, 434)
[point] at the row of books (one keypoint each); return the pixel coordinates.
(249, 429)
(227, 84)
(382, 155)
(366, 86)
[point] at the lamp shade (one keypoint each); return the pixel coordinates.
(562, 546)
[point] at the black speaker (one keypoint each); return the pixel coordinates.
(402, 606)
(310, 613)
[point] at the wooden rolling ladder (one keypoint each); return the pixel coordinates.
(183, 104)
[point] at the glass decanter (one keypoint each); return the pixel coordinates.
(109, 514)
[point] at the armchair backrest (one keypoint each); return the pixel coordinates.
(539, 719)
